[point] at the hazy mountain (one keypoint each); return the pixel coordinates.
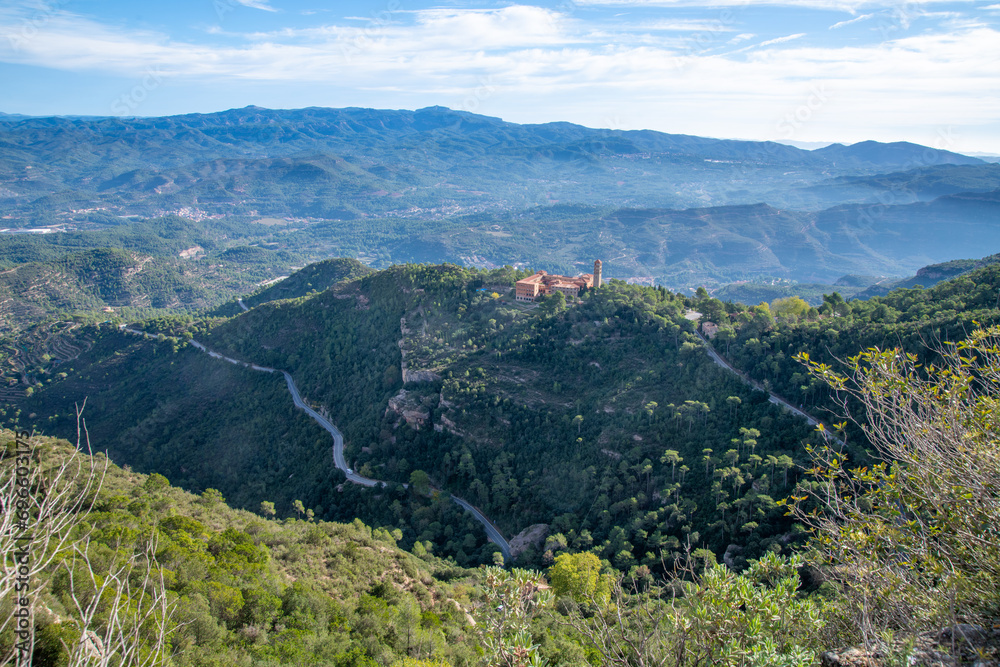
(931, 275)
(896, 154)
(900, 187)
(336, 163)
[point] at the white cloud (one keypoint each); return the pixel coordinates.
(683, 25)
(779, 40)
(257, 4)
(541, 65)
(769, 42)
(863, 17)
(840, 5)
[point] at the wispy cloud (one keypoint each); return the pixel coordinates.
(786, 38)
(540, 61)
(682, 25)
(769, 42)
(257, 4)
(863, 17)
(839, 5)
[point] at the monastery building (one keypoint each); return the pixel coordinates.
(542, 283)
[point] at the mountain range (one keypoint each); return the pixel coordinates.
(442, 185)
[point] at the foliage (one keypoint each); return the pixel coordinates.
(913, 539)
(536, 417)
(243, 590)
(113, 605)
(503, 619)
(718, 617)
(913, 319)
(754, 618)
(579, 576)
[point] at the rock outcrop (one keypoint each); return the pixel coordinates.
(410, 407)
(534, 535)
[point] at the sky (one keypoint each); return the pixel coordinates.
(784, 70)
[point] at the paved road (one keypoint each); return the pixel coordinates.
(338, 438)
(773, 398)
(492, 532)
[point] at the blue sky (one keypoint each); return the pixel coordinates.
(790, 70)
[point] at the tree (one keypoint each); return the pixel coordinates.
(772, 461)
(713, 310)
(791, 307)
(684, 471)
(578, 576)
(672, 457)
(390, 377)
(717, 617)
(578, 422)
(915, 535)
(786, 463)
(212, 497)
(267, 508)
(156, 483)
(692, 408)
(750, 436)
(734, 402)
(420, 482)
(554, 303)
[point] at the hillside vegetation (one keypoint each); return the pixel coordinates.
(246, 590)
(600, 423)
(564, 415)
(348, 163)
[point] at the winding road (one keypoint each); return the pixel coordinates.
(771, 397)
(492, 532)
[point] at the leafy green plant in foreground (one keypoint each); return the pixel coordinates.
(718, 617)
(914, 540)
(510, 601)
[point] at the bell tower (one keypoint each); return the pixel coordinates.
(597, 273)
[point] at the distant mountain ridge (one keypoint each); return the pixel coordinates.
(281, 132)
(892, 154)
(436, 185)
(382, 161)
(931, 275)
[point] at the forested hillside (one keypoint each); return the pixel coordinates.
(54, 284)
(765, 340)
(600, 423)
(437, 185)
(350, 163)
(151, 574)
(239, 589)
(602, 419)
